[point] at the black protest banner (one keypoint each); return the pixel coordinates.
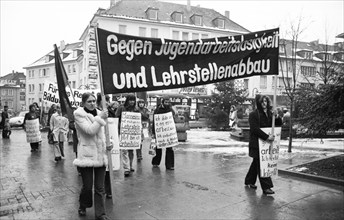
(134, 64)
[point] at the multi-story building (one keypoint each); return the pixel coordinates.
(12, 88)
(149, 18)
(43, 70)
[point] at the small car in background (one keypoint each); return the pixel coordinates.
(17, 121)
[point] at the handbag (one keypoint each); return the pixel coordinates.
(152, 148)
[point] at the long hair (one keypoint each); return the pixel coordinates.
(128, 98)
(268, 100)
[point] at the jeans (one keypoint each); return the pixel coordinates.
(58, 149)
(253, 172)
(90, 176)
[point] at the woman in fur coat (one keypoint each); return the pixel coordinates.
(91, 159)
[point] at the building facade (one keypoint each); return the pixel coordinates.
(13, 91)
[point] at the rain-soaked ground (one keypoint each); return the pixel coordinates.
(207, 184)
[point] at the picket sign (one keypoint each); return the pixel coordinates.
(268, 159)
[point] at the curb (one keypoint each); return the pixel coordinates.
(312, 177)
(322, 179)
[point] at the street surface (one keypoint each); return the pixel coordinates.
(207, 183)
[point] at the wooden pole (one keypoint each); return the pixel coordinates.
(107, 136)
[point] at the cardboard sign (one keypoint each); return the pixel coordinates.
(268, 162)
(113, 133)
(165, 130)
(33, 134)
(130, 131)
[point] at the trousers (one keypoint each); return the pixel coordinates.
(169, 157)
(253, 172)
(93, 176)
(127, 159)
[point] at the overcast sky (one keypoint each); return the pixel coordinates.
(29, 29)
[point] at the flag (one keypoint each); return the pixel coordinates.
(62, 82)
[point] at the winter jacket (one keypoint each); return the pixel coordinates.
(91, 137)
(59, 124)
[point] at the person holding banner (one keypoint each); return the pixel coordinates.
(127, 155)
(32, 128)
(164, 107)
(91, 158)
(59, 126)
(260, 118)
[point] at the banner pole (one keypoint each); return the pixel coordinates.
(108, 152)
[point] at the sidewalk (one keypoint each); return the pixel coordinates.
(207, 184)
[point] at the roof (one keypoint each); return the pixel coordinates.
(69, 48)
(137, 9)
(340, 35)
(13, 76)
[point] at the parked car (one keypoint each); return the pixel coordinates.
(18, 120)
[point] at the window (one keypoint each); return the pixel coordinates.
(74, 68)
(290, 67)
(308, 70)
(219, 22)
(204, 36)
(33, 73)
(40, 72)
(177, 17)
(73, 84)
(69, 69)
(308, 55)
(281, 49)
(10, 92)
(307, 85)
(41, 87)
(245, 83)
(4, 92)
(185, 36)
(197, 20)
(10, 104)
(154, 32)
(175, 35)
(195, 36)
(122, 29)
(152, 13)
(263, 82)
(142, 31)
(47, 72)
(44, 73)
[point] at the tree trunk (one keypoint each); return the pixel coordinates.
(291, 126)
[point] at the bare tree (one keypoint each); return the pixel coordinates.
(291, 72)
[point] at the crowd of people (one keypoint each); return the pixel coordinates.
(90, 147)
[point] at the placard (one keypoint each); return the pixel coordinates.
(113, 133)
(268, 162)
(165, 130)
(130, 131)
(33, 133)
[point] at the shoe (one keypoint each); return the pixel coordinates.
(109, 196)
(56, 159)
(155, 166)
(268, 191)
(139, 158)
(252, 186)
(132, 170)
(126, 173)
(82, 211)
(170, 168)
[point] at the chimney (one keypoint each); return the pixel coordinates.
(188, 6)
(62, 45)
(113, 2)
(227, 14)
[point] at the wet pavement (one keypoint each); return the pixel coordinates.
(207, 183)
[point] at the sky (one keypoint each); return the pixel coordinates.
(30, 28)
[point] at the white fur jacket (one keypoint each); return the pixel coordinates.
(91, 136)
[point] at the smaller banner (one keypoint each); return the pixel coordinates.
(113, 133)
(165, 130)
(130, 131)
(51, 94)
(268, 162)
(33, 134)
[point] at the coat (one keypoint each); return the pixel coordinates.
(257, 119)
(59, 125)
(91, 139)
